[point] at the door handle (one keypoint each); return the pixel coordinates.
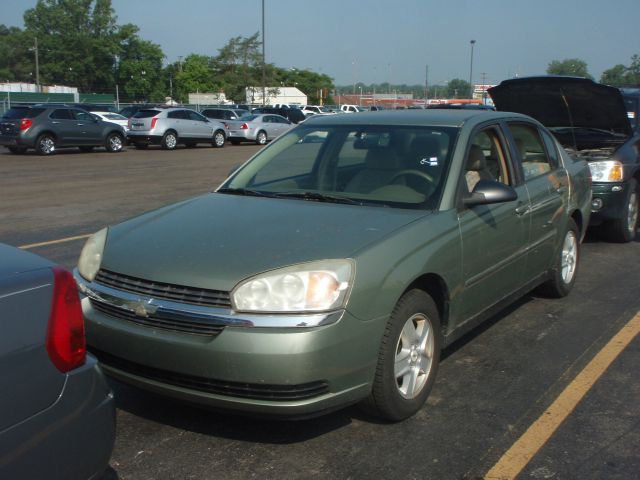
(56, 123)
(562, 189)
(522, 210)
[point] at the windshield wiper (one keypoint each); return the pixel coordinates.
(318, 197)
(244, 191)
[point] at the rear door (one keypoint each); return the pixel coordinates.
(63, 124)
(199, 126)
(547, 184)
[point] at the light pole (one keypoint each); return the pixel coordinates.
(473, 42)
(263, 60)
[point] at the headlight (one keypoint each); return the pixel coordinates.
(91, 255)
(607, 171)
(308, 287)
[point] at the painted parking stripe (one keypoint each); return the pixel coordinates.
(54, 242)
(521, 452)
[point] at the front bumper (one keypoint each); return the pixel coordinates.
(609, 202)
(289, 371)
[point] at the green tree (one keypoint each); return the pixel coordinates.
(458, 88)
(570, 67)
(615, 76)
(196, 74)
(17, 61)
(238, 66)
(76, 41)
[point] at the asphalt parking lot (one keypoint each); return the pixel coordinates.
(513, 378)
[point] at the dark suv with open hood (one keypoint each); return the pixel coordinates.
(590, 120)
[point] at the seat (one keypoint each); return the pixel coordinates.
(380, 166)
(476, 168)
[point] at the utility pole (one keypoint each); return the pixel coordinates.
(35, 48)
(426, 84)
(472, 42)
(484, 87)
(264, 81)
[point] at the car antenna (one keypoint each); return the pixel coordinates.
(573, 133)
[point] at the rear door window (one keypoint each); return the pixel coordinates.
(531, 151)
(61, 114)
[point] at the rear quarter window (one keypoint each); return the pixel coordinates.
(22, 112)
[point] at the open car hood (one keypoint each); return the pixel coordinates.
(557, 101)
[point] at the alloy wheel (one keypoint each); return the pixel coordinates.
(414, 356)
(569, 260)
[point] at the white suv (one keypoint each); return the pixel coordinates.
(170, 126)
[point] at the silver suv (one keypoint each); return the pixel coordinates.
(170, 126)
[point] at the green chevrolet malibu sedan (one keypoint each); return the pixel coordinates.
(334, 265)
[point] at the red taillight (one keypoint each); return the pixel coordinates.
(65, 334)
(244, 126)
(129, 124)
(154, 120)
(25, 124)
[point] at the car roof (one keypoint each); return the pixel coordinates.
(444, 118)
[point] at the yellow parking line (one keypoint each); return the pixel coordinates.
(53, 242)
(521, 452)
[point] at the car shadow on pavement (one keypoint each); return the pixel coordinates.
(230, 425)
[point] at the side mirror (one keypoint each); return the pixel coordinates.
(489, 191)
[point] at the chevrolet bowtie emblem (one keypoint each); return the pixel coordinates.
(144, 308)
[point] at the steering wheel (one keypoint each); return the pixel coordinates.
(413, 173)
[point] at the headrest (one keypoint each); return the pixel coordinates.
(476, 161)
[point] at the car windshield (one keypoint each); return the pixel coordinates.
(392, 166)
(146, 113)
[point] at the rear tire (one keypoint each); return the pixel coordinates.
(566, 265)
(114, 143)
(623, 229)
(408, 358)
(170, 140)
(45, 144)
(219, 139)
(261, 138)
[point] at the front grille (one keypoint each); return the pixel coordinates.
(167, 291)
(219, 387)
(165, 321)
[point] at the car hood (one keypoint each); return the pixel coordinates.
(216, 240)
(564, 102)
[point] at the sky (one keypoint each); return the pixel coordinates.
(376, 41)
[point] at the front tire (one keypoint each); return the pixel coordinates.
(170, 140)
(408, 358)
(566, 265)
(219, 139)
(261, 138)
(114, 142)
(623, 229)
(45, 144)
